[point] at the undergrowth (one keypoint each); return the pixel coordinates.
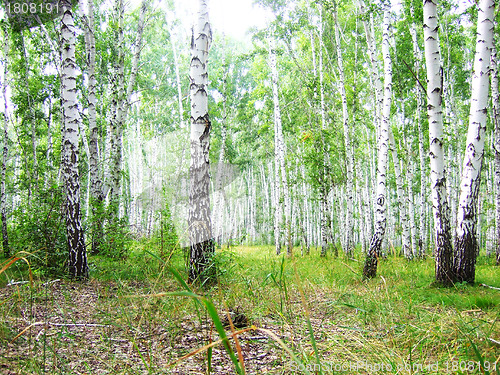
(303, 314)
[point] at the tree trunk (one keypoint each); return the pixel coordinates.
(96, 192)
(349, 243)
(438, 173)
(370, 267)
(121, 100)
(280, 152)
(201, 267)
(466, 247)
(422, 241)
(406, 241)
(3, 204)
(495, 98)
(77, 253)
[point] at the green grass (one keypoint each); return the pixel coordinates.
(398, 321)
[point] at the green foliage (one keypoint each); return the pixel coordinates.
(167, 236)
(118, 239)
(42, 232)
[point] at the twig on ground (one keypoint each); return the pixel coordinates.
(491, 287)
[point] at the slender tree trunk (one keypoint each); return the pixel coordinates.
(173, 42)
(495, 98)
(121, 94)
(222, 170)
(324, 172)
(349, 243)
(280, 150)
(96, 188)
(370, 267)
(5, 149)
(466, 247)
(77, 253)
(438, 173)
(199, 218)
(417, 52)
(406, 244)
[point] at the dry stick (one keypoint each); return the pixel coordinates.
(491, 287)
(59, 325)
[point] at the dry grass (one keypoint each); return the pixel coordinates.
(397, 322)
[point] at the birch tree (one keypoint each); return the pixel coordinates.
(280, 151)
(349, 243)
(442, 234)
(466, 247)
(3, 205)
(121, 94)
(78, 267)
(495, 98)
(96, 188)
(417, 52)
(202, 246)
(370, 267)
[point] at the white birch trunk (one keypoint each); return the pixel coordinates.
(370, 267)
(280, 152)
(405, 245)
(96, 187)
(121, 98)
(442, 234)
(77, 253)
(349, 243)
(5, 149)
(464, 262)
(423, 240)
(495, 99)
(199, 217)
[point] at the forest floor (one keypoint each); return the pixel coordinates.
(120, 323)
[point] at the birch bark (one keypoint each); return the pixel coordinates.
(96, 192)
(438, 172)
(349, 244)
(495, 98)
(406, 245)
(199, 218)
(370, 267)
(5, 150)
(280, 152)
(121, 100)
(466, 249)
(78, 267)
(417, 52)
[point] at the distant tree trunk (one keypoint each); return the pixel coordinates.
(325, 186)
(121, 94)
(406, 241)
(438, 174)
(117, 93)
(370, 267)
(199, 219)
(219, 194)
(96, 188)
(349, 243)
(3, 204)
(495, 98)
(173, 42)
(280, 150)
(77, 253)
(466, 247)
(420, 248)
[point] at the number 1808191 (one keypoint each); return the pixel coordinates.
(469, 366)
(31, 8)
